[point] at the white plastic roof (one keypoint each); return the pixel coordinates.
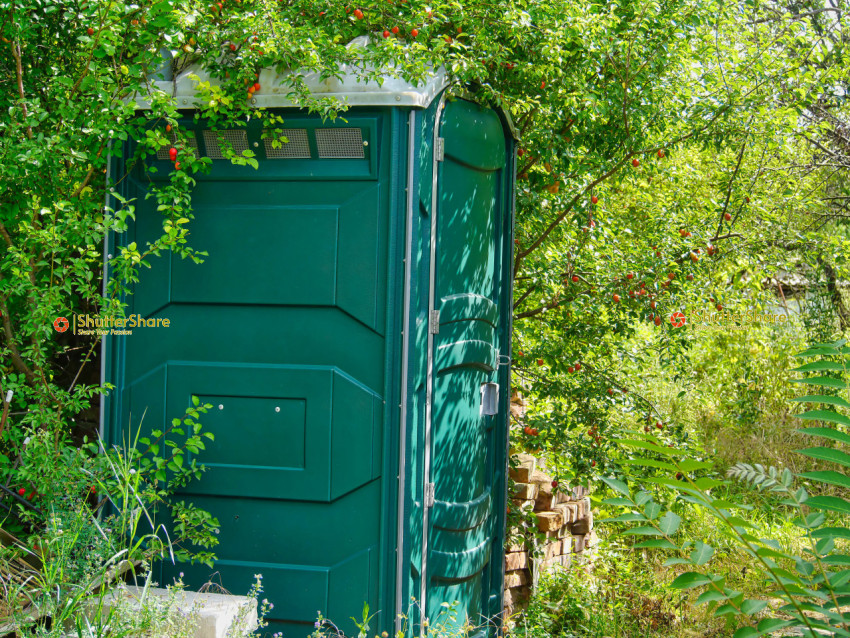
(346, 88)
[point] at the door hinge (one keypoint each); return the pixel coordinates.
(440, 149)
(434, 322)
(429, 495)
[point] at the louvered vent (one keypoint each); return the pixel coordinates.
(162, 153)
(292, 141)
(217, 142)
(340, 143)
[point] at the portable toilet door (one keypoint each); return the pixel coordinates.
(460, 382)
(303, 328)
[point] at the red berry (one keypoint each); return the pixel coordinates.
(394, 30)
(555, 484)
(610, 392)
(631, 293)
(358, 14)
(727, 216)
(594, 199)
(652, 305)
(659, 425)
(232, 47)
(658, 253)
(90, 31)
(660, 153)
(543, 85)
(172, 153)
(414, 32)
(719, 307)
(540, 362)
(635, 163)
(168, 128)
(571, 369)
(593, 464)
(578, 366)
(22, 491)
(683, 232)
(177, 165)
(386, 33)
(31, 496)
(747, 200)
(575, 279)
(631, 275)
(679, 476)
(657, 321)
(690, 277)
(646, 429)
(671, 276)
(616, 298)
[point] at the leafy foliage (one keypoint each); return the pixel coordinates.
(805, 590)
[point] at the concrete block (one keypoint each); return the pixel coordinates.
(516, 560)
(541, 477)
(526, 491)
(216, 612)
(549, 521)
(583, 525)
(523, 472)
(517, 578)
(552, 549)
(568, 510)
(516, 596)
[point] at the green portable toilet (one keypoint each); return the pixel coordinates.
(351, 328)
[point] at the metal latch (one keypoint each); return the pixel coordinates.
(434, 322)
(489, 399)
(440, 149)
(429, 495)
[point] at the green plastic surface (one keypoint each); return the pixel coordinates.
(292, 329)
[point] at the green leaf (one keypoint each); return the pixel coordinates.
(822, 398)
(624, 502)
(828, 476)
(829, 503)
(824, 415)
(196, 401)
(827, 433)
(646, 445)
(641, 531)
(702, 553)
(690, 465)
(669, 523)
(661, 465)
(832, 532)
(827, 454)
(616, 485)
(826, 382)
(710, 596)
(745, 632)
(820, 366)
(689, 580)
(657, 543)
(768, 625)
(752, 606)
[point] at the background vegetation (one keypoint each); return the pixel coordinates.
(683, 156)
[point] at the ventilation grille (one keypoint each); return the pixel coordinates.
(218, 142)
(162, 153)
(342, 143)
(293, 143)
